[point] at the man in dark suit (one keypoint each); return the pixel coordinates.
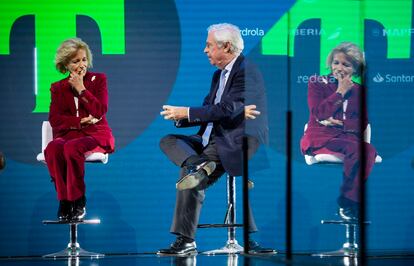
(217, 147)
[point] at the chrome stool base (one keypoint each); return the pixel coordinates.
(73, 250)
(350, 247)
(343, 252)
(231, 247)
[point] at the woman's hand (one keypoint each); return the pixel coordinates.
(344, 84)
(250, 112)
(331, 122)
(76, 79)
(87, 120)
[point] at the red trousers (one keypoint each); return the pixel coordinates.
(348, 145)
(65, 158)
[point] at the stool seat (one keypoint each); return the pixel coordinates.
(47, 136)
(73, 249)
(324, 158)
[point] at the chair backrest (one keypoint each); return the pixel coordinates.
(47, 136)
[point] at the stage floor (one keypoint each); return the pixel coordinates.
(385, 258)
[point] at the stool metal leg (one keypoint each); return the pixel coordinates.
(73, 261)
(350, 246)
(232, 246)
(74, 250)
(232, 260)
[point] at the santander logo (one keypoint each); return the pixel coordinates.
(378, 78)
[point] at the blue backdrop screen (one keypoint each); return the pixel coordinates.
(152, 54)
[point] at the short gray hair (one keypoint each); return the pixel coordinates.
(67, 50)
(225, 32)
(352, 53)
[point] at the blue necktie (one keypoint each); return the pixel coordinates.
(219, 93)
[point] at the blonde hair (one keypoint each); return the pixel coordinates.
(67, 50)
(352, 53)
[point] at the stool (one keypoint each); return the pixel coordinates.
(350, 246)
(231, 246)
(73, 250)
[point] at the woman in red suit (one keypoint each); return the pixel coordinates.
(77, 116)
(333, 125)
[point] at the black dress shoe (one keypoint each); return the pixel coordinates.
(179, 248)
(348, 209)
(195, 175)
(65, 210)
(255, 248)
(79, 210)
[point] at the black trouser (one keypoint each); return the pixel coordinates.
(179, 148)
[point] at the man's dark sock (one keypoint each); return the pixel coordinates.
(194, 160)
(186, 239)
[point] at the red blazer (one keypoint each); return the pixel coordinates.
(324, 102)
(94, 101)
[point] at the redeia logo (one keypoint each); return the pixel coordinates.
(378, 78)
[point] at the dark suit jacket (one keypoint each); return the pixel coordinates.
(228, 115)
(324, 102)
(94, 101)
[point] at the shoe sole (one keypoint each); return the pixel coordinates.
(192, 180)
(182, 254)
(263, 252)
(189, 253)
